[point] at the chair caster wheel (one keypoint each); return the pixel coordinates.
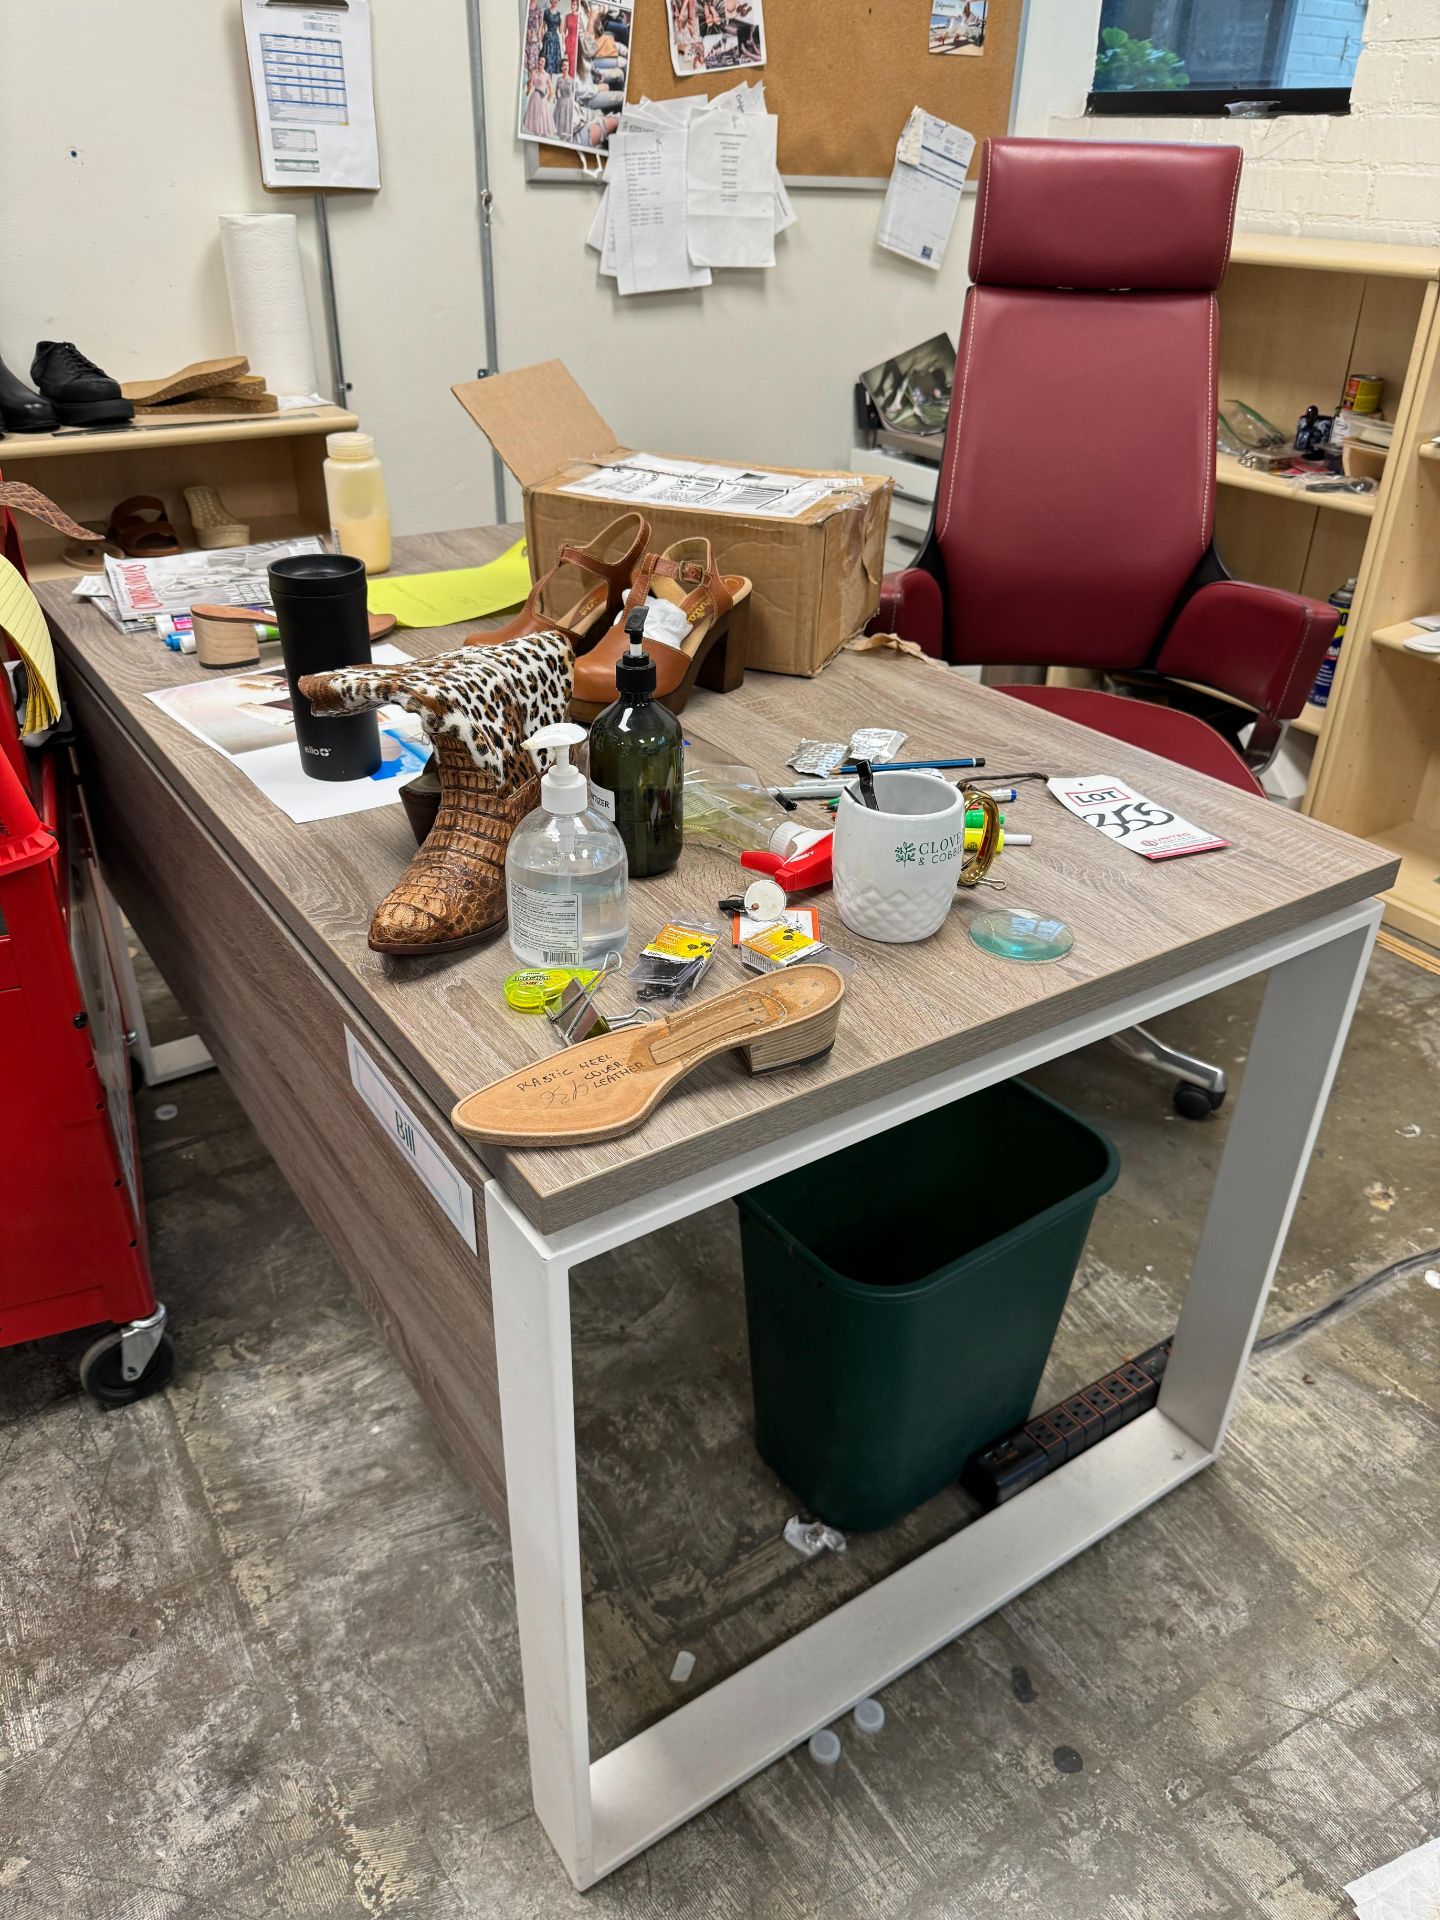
(1194, 1103)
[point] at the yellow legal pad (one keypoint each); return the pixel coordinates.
(23, 624)
(460, 593)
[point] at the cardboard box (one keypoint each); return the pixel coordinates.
(816, 578)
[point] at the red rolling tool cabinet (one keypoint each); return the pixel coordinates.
(72, 1233)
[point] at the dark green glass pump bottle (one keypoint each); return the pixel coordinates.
(637, 763)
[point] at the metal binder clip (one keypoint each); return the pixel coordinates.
(575, 1016)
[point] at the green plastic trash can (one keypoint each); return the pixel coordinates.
(902, 1296)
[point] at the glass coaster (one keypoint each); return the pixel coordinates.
(1011, 933)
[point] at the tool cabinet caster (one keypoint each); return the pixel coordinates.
(129, 1364)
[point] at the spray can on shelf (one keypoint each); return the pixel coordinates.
(1325, 679)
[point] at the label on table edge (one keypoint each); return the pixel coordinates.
(453, 1195)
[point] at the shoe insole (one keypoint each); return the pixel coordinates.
(196, 378)
(582, 615)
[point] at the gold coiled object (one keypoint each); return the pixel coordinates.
(976, 865)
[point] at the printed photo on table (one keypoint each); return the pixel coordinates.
(574, 67)
(958, 26)
(911, 391)
(714, 36)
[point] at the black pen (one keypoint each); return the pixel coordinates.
(912, 766)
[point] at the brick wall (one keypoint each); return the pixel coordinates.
(1372, 174)
(1323, 39)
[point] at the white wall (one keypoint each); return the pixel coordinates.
(125, 131)
(118, 249)
(1372, 174)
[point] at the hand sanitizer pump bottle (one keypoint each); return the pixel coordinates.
(566, 878)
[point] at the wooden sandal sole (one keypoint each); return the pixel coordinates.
(609, 1085)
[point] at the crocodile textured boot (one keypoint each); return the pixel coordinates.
(477, 706)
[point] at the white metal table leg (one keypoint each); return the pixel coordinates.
(599, 1816)
(530, 1290)
(1299, 1037)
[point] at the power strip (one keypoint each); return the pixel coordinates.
(1020, 1458)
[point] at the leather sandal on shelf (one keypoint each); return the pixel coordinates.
(712, 653)
(583, 591)
(608, 1085)
(141, 528)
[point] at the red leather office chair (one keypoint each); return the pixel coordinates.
(1075, 509)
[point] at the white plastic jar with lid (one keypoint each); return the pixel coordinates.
(355, 495)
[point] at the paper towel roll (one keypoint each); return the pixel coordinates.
(267, 298)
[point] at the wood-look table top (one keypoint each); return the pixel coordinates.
(910, 1011)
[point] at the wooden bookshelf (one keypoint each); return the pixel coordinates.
(1230, 473)
(1377, 770)
(267, 467)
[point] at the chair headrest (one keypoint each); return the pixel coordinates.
(1098, 214)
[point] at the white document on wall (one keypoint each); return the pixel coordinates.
(732, 199)
(750, 98)
(647, 211)
(313, 83)
(931, 161)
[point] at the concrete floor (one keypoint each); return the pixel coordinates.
(259, 1655)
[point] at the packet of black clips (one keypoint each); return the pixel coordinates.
(674, 963)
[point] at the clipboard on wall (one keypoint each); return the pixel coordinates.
(312, 87)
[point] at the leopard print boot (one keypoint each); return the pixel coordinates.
(477, 706)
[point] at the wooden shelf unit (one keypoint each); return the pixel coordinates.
(1230, 473)
(267, 467)
(1377, 772)
(1296, 317)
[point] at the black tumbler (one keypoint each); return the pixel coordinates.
(319, 602)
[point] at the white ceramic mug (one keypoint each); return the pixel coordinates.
(896, 869)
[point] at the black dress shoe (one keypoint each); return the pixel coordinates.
(20, 409)
(83, 395)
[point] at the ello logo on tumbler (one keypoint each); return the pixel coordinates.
(319, 601)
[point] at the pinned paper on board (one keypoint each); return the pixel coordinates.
(313, 83)
(958, 26)
(932, 159)
(714, 36)
(574, 69)
(690, 184)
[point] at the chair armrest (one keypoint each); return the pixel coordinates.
(1260, 645)
(912, 605)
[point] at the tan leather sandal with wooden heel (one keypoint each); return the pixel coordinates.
(582, 592)
(608, 1085)
(711, 653)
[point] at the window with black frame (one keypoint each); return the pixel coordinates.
(1218, 56)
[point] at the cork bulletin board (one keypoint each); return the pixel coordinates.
(842, 75)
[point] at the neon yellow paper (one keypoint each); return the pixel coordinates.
(460, 593)
(23, 624)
